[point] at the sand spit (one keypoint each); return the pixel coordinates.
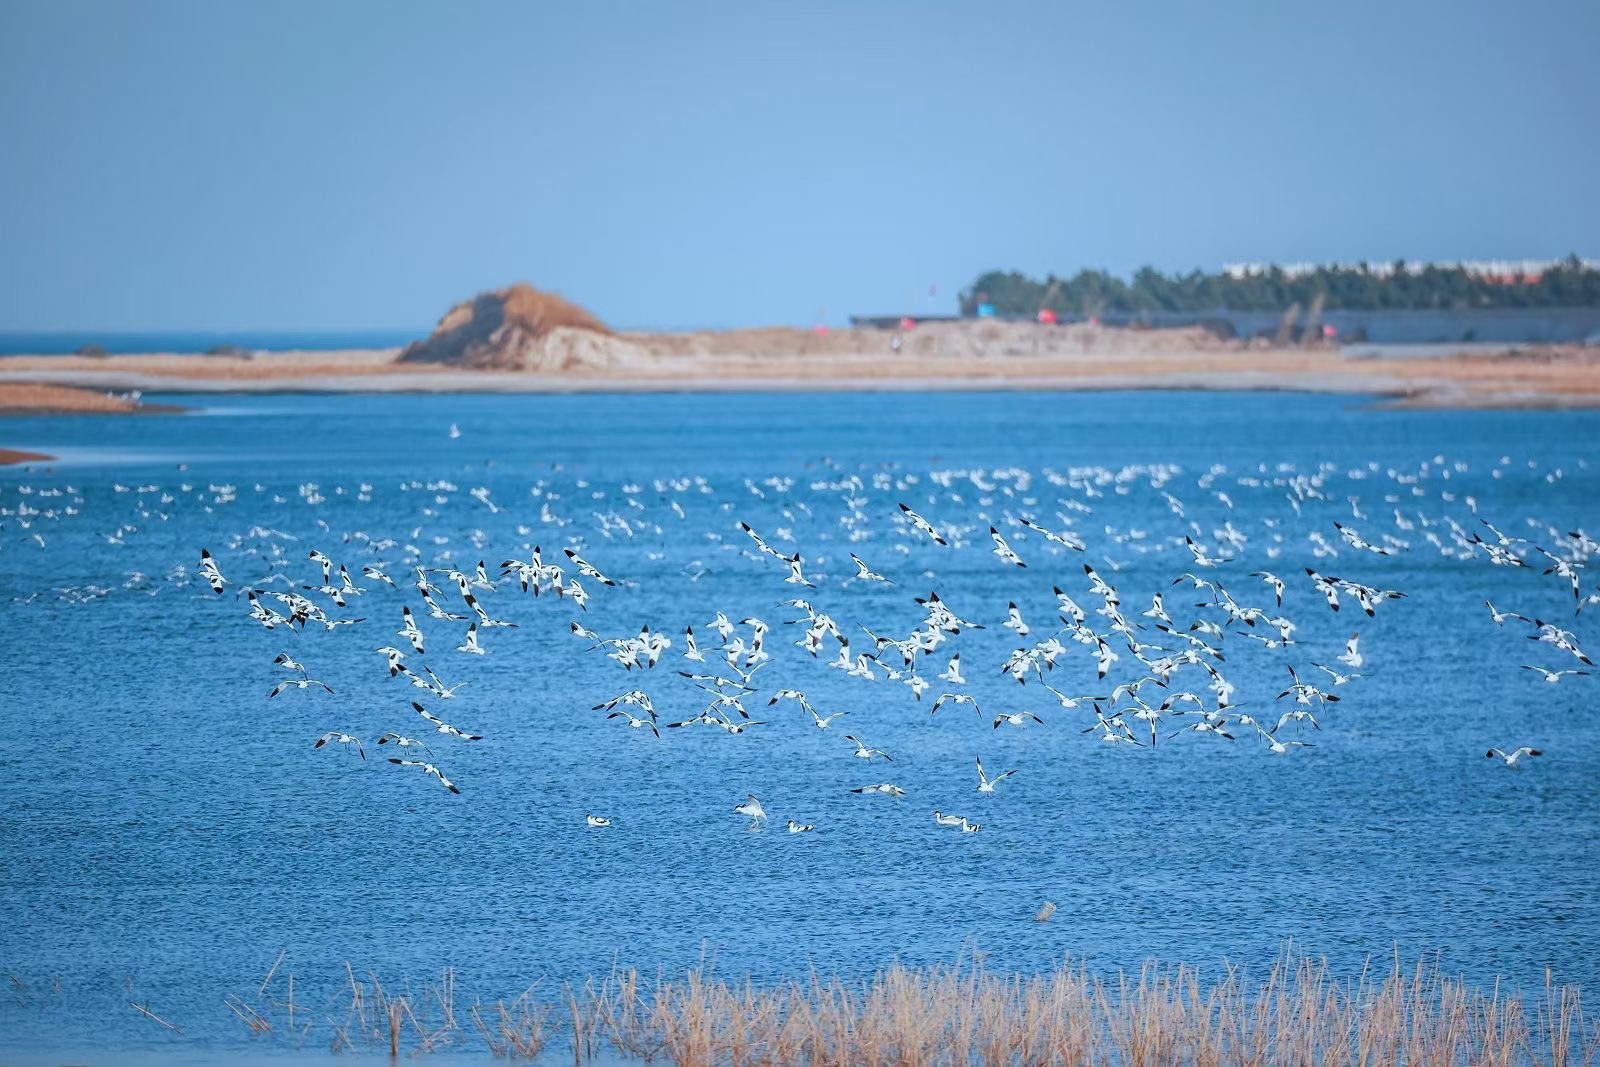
(9, 456)
(46, 398)
(938, 356)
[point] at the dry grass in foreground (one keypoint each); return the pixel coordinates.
(946, 1015)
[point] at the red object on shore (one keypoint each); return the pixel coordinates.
(908, 323)
(1047, 316)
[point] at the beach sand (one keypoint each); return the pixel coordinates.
(941, 356)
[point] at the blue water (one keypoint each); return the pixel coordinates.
(168, 829)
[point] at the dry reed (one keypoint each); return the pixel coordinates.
(962, 1014)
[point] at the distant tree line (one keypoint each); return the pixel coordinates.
(1568, 283)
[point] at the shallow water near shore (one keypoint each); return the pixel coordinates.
(169, 830)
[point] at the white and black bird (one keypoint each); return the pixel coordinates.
(1351, 656)
(1553, 677)
(865, 573)
(1272, 580)
(751, 808)
(955, 698)
(410, 632)
(1500, 617)
(302, 683)
(395, 657)
(887, 789)
(342, 739)
(635, 722)
(428, 769)
(378, 576)
(1201, 559)
(586, 568)
(865, 751)
(471, 645)
(924, 525)
(442, 727)
(1002, 551)
(987, 784)
(209, 571)
(1514, 760)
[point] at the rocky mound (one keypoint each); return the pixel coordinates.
(521, 328)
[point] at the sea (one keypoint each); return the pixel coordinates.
(170, 835)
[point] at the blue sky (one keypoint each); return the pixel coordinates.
(170, 165)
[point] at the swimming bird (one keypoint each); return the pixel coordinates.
(799, 828)
(596, 820)
(941, 819)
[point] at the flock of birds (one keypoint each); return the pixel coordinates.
(1145, 674)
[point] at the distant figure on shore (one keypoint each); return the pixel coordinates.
(1046, 316)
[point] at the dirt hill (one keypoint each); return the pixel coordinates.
(521, 328)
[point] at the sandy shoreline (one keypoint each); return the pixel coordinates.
(965, 356)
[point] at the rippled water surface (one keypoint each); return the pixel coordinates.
(167, 829)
